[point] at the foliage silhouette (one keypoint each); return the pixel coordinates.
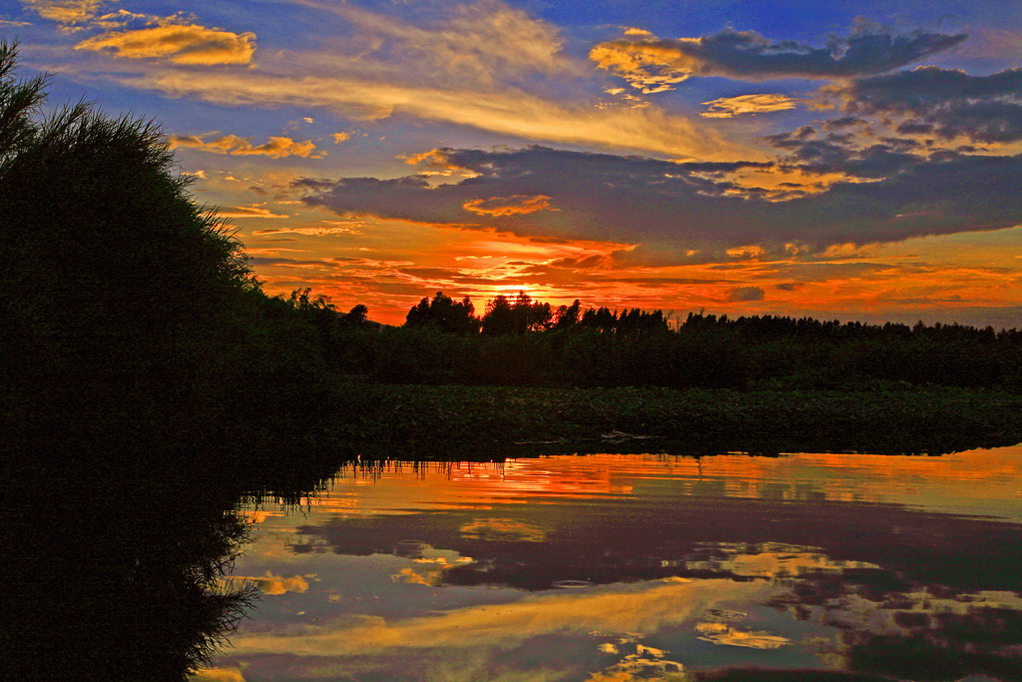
(444, 314)
(525, 343)
(144, 373)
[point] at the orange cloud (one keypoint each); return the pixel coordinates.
(507, 111)
(275, 147)
(721, 633)
(218, 675)
(653, 65)
(250, 211)
(322, 229)
(273, 584)
(632, 608)
(483, 41)
(729, 107)
(177, 42)
(64, 11)
(643, 66)
(518, 204)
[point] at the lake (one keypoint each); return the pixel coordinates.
(645, 566)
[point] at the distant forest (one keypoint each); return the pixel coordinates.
(522, 342)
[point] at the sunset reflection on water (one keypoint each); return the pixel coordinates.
(617, 567)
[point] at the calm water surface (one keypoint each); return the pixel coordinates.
(619, 567)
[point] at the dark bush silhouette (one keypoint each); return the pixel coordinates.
(122, 300)
(143, 374)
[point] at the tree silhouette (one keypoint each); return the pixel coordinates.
(566, 317)
(358, 316)
(444, 314)
(515, 316)
(499, 319)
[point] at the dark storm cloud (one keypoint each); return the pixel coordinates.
(672, 209)
(943, 102)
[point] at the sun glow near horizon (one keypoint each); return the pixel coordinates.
(635, 159)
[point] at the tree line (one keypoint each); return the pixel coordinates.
(505, 315)
(524, 342)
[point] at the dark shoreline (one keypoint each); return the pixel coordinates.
(444, 422)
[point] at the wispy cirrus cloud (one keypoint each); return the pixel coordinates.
(483, 41)
(177, 41)
(508, 111)
(517, 204)
(250, 211)
(484, 65)
(667, 601)
(321, 229)
(729, 107)
(64, 11)
(275, 147)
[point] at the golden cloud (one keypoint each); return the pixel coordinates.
(728, 107)
(481, 41)
(654, 65)
(250, 211)
(650, 68)
(275, 147)
(721, 633)
(509, 111)
(64, 11)
(473, 65)
(518, 204)
(273, 584)
(179, 43)
(642, 607)
(646, 663)
(218, 675)
(322, 229)
(410, 575)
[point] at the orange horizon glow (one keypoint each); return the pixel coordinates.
(898, 280)
(730, 161)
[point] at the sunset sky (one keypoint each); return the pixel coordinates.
(852, 159)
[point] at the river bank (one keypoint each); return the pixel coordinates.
(426, 420)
